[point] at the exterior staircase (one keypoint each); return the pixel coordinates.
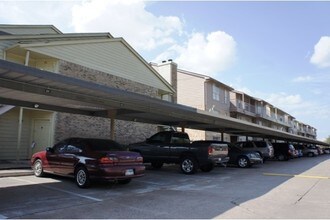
(5, 108)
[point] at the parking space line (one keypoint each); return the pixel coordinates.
(293, 175)
(3, 217)
(75, 194)
(60, 190)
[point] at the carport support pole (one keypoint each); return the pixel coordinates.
(112, 115)
(112, 127)
(19, 135)
(221, 136)
(27, 58)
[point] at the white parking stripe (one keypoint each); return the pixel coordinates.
(75, 194)
(60, 190)
(3, 217)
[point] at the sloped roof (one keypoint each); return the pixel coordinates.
(207, 78)
(29, 29)
(112, 55)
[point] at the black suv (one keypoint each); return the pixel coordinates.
(264, 148)
(283, 151)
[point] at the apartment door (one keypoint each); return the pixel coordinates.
(41, 135)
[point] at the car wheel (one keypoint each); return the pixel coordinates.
(207, 167)
(188, 165)
(157, 165)
(125, 181)
(243, 162)
(82, 177)
(38, 169)
(310, 154)
(281, 157)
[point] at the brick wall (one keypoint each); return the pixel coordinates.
(68, 125)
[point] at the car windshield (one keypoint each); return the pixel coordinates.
(104, 145)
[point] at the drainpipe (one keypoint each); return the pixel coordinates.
(19, 135)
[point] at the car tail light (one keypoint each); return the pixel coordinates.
(139, 159)
(210, 150)
(108, 160)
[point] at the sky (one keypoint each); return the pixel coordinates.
(276, 51)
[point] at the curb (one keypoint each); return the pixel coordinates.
(15, 172)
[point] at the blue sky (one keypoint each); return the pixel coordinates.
(277, 51)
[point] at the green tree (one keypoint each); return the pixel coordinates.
(328, 140)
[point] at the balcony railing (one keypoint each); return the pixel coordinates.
(243, 107)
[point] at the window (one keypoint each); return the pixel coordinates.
(248, 145)
(72, 149)
(179, 138)
(60, 147)
(226, 97)
(104, 145)
(158, 138)
(216, 93)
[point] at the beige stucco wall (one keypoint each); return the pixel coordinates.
(191, 91)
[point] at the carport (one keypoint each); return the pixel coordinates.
(33, 88)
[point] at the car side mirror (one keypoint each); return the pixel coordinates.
(50, 149)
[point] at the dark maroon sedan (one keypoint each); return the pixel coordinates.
(86, 159)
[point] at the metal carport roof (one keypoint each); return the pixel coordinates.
(30, 87)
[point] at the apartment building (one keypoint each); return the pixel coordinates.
(198, 91)
(93, 57)
(205, 93)
(302, 129)
(258, 111)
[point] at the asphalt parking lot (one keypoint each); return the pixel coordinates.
(295, 189)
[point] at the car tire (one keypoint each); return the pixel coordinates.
(243, 162)
(157, 165)
(207, 167)
(188, 165)
(82, 177)
(310, 154)
(38, 168)
(125, 181)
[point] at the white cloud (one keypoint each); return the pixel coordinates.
(303, 79)
(321, 55)
(128, 19)
(284, 100)
(37, 12)
(295, 105)
(208, 54)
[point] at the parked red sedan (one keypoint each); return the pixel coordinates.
(86, 159)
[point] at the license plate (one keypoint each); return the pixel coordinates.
(129, 172)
